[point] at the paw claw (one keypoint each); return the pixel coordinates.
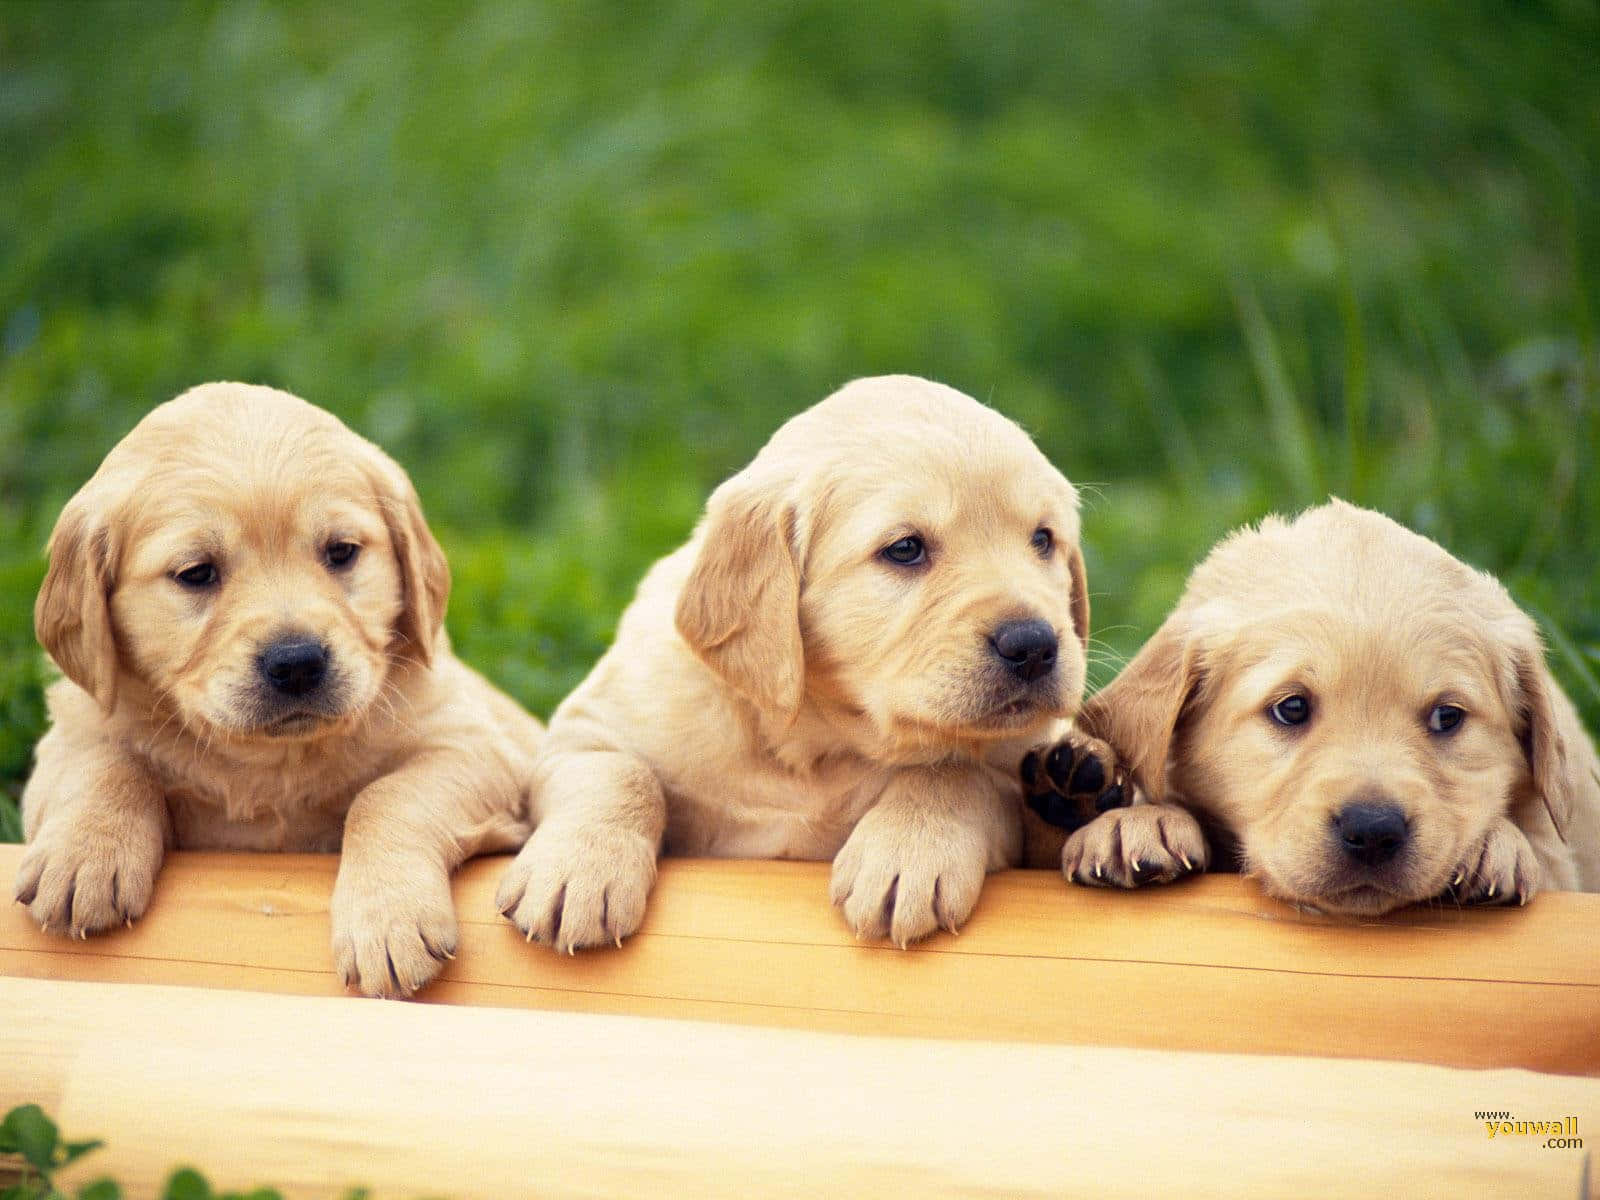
(1134, 846)
(1506, 869)
(575, 887)
(1069, 783)
(903, 881)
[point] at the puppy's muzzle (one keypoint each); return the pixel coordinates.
(1027, 648)
(294, 666)
(1371, 831)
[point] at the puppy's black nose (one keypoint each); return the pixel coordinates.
(295, 665)
(1371, 833)
(1028, 648)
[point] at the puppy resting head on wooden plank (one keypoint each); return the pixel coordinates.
(1369, 721)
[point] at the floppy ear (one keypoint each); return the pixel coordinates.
(1080, 597)
(1138, 711)
(424, 571)
(72, 616)
(1546, 750)
(740, 607)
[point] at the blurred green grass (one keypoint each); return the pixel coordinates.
(571, 264)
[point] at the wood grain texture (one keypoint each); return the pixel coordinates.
(315, 1094)
(1208, 965)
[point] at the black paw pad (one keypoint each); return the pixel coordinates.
(1090, 775)
(1056, 810)
(1145, 869)
(1112, 797)
(1030, 771)
(1059, 765)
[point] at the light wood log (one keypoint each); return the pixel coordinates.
(315, 1094)
(1206, 965)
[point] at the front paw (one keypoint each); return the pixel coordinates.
(1502, 869)
(1130, 847)
(903, 881)
(572, 888)
(79, 880)
(1070, 783)
(392, 935)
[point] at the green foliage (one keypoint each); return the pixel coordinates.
(27, 1134)
(572, 264)
(31, 1137)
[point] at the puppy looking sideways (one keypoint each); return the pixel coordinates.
(872, 621)
(248, 607)
(1357, 719)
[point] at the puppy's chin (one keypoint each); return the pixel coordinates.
(248, 714)
(1015, 710)
(1015, 718)
(298, 725)
(1337, 891)
(1362, 900)
(990, 719)
(302, 726)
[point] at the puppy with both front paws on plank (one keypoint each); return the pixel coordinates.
(248, 607)
(1358, 719)
(845, 662)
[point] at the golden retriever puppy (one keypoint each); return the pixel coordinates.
(1358, 719)
(872, 621)
(248, 608)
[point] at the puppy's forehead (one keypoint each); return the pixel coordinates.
(1351, 560)
(201, 518)
(937, 496)
(1336, 653)
(249, 433)
(226, 465)
(900, 413)
(923, 449)
(233, 444)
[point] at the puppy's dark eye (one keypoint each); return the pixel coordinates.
(1291, 710)
(201, 575)
(341, 554)
(1445, 717)
(1043, 541)
(907, 552)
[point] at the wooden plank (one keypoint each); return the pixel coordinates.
(1208, 965)
(315, 1094)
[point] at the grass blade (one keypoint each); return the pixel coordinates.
(1291, 429)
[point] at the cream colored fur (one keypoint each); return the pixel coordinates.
(1376, 625)
(778, 690)
(159, 734)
